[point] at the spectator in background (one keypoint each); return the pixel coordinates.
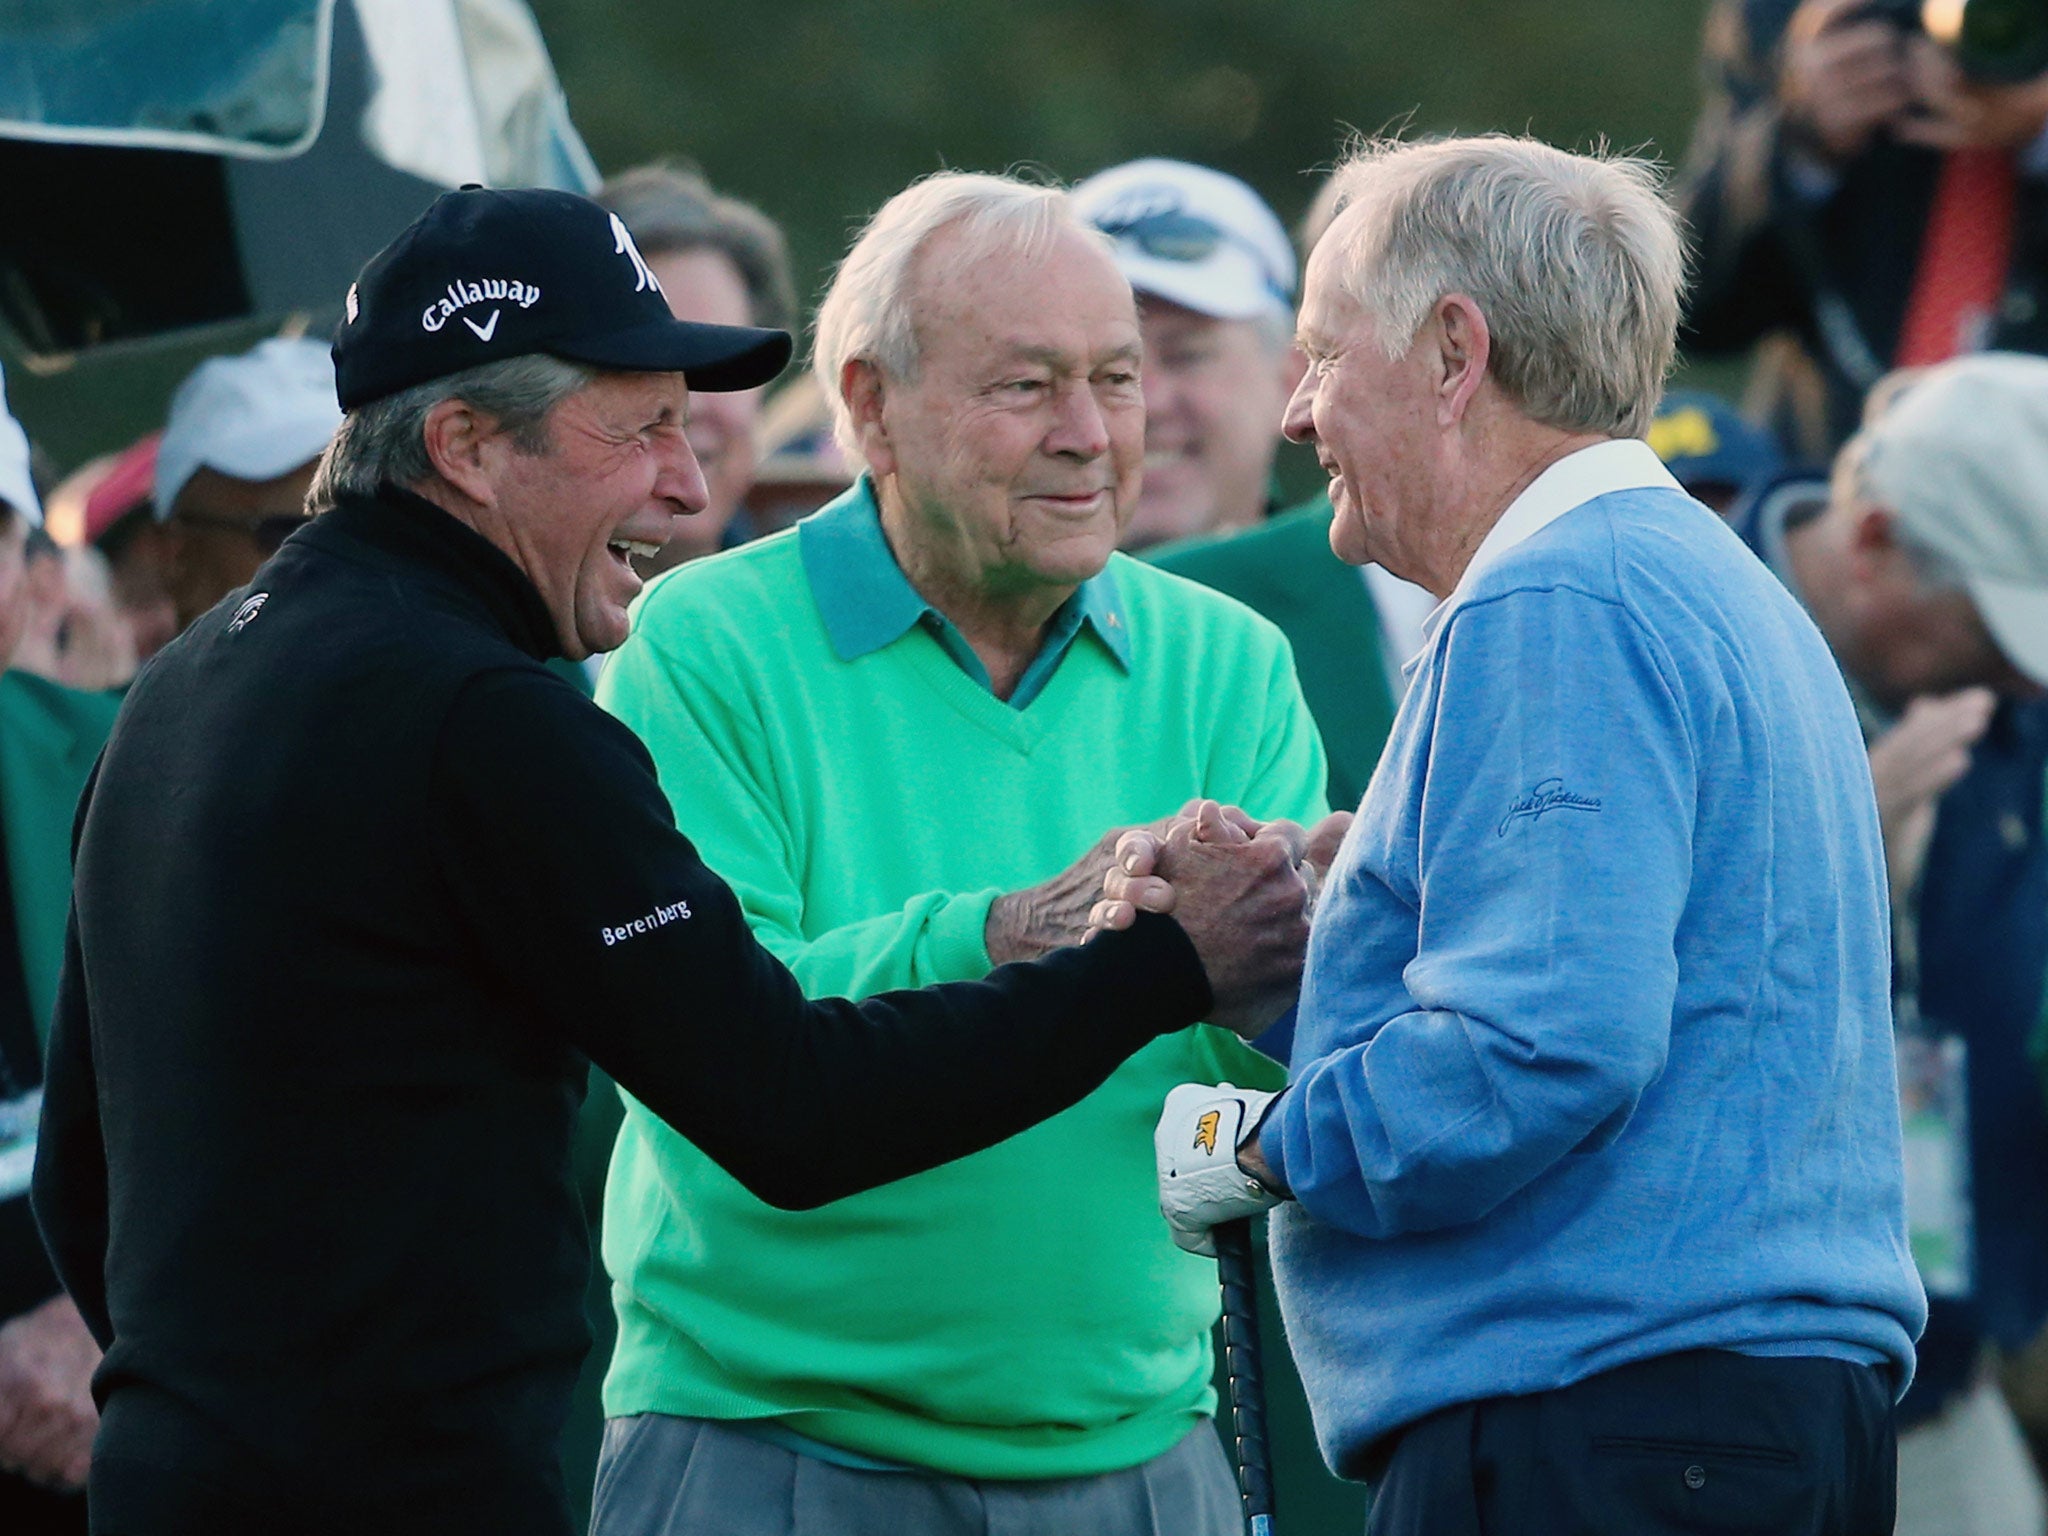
(1849, 183)
(719, 262)
(235, 462)
(1719, 456)
(1925, 563)
(951, 642)
(1350, 630)
(73, 634)
(118, 522)
(103, 510)
(1215, 283)
(49, 736)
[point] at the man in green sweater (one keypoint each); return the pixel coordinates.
(889, 727)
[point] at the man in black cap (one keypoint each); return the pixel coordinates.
(360, 885)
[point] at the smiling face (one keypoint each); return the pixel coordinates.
(1214, 390)
(1010, 463)
(1373, 423)
(617, 475)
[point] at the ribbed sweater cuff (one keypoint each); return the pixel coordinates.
(959, 935)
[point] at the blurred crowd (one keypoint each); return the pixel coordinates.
(1869, 201)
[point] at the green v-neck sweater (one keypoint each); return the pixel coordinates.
(1020, 1313)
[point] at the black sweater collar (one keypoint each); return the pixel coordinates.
(408, 528)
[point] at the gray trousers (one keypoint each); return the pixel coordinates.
(665, 1476)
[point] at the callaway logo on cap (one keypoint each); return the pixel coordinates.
(485, 275)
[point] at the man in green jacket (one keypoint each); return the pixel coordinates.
(885, 726)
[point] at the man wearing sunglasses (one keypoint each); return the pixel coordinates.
(1214, 277)
(238, 453)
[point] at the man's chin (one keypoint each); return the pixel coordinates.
(1070, 562)
(596, 636)
(1348, 541)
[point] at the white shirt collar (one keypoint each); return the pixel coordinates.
(1623, 464)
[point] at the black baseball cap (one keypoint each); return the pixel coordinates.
(484, 275)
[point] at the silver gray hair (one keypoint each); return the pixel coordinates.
(1577, 262)
(383, 443)
(869, 313)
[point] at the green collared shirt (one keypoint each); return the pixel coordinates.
(867, 602)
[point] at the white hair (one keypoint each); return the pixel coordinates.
(869, 313)
(1577, 262)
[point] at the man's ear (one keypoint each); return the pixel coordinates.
(461, 442)
(1873, 530)
(1873, 542)
(864, 389)
(1464, 345)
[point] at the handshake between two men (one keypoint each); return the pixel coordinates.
(1245, 892)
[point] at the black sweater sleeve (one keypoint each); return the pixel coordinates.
(566, 865)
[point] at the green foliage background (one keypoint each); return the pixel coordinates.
(817, 110)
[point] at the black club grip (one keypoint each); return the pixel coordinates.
(1244, 1373)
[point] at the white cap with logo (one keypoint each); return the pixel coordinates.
(1961, 459)
(256, 416)
(1192, 236)
(17, 485)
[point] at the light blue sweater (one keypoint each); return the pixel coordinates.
(1594, 1060)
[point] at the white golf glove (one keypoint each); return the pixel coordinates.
(1200, 1184)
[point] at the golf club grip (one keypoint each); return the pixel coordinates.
(1243, 1371)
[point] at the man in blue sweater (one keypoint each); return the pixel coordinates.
(1592, 1136)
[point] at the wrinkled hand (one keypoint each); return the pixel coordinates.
(1841, 78)
(1132, 884)
(1912, 766)
(1239, 896)
(1202, 1183)
(1026, 924)
(47, 1418)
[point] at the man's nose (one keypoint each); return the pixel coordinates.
(680, 482)
(1296, 423)
(1080, 430)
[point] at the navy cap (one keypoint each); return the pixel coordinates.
(486, 275)
(1705, 441)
